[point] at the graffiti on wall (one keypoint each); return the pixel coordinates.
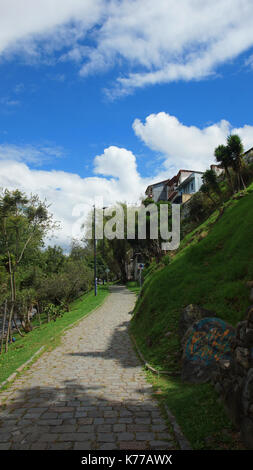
(209, 341)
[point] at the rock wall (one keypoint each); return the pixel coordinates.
(234, 379)
(212, 350)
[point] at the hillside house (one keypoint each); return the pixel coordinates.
(217, 169)
(188, 187)
(173, 189)
(165, 190)
(158, 191)
(248, 156)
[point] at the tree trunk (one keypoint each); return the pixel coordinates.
(16, 326)
(9, 334)
(229, 180)
(3, 327)
(38, 311)
(242, 180)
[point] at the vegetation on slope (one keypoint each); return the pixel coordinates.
(48, 334)
(210, 268)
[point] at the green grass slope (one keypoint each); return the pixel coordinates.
(210, 269)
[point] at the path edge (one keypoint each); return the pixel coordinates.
(181, 439)
(43, 348)
(12, 377)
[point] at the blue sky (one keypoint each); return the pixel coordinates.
(99, 98)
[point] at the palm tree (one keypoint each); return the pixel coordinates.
(235, 149)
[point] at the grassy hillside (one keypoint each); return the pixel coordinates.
(210, 268)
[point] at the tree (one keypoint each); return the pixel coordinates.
(206, 189)
(198, 207)
(23, 221)
(63, 287)
(223, 157)
(210, 185)
(54, 259)
(235, 150)
(231, 156)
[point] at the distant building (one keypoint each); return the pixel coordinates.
(188, 187)
(172, 189)
(182, 186)
(158, 191)
(164, 190)
(248, 156)
(217, 169)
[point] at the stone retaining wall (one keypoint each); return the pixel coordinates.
(234, 380)
(214, 351)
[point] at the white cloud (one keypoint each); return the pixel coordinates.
(186, 147)
(71, 196)
(116, 174)
(121, 164)
(23, 23)
(156, 42)
(29, 153)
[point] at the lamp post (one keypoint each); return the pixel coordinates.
(103, 245)
(95, 254)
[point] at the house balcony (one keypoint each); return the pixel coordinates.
(181, 198)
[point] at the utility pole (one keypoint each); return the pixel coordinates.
(95, 254)
(103, 245)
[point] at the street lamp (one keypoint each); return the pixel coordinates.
(103, 246)
(95, 254)
(95, 250)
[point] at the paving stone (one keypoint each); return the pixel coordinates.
(49, 416)
(159, 427)
(87, 428)
(4, 437)
(86, 421)
(162, 436)
(142, 420)
(39, 446)
(61, 446)
(133, 445)
(125, 436)
(48, 437)
(119, 427)
(107, 446)
(83, 445)
(64, 428)
(99, 421)
(159, 445)
(103, 428)
(76, 437)
(88, 393)
(144, 436)
(106, 437)
(5, 446)
(126, 420)
(110, 420)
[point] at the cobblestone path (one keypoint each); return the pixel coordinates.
(88, 393)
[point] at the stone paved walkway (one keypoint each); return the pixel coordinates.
(88, 393)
